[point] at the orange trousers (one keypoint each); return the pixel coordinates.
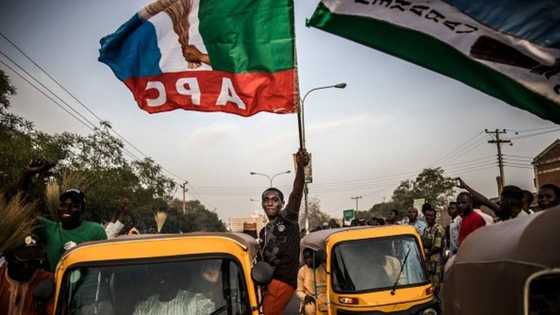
(277, 297)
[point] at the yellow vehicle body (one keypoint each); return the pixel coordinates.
(405, 300)
(148, 247)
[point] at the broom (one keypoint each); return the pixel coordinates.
(17, 221)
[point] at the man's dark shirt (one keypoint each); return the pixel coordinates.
(281, 237)
(281, 248)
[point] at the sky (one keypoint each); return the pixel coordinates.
(392, 120)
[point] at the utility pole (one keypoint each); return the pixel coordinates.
(185, 189)
(356, 198)
(496, 134)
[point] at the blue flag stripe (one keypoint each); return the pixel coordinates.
(537, 21)
(121, 49)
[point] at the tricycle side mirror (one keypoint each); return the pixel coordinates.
(43, 291)
(262, 273)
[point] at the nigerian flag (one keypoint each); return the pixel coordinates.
(509, 49)
(235, 56)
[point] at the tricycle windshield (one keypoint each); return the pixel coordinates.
(375, 264)
(201, 286)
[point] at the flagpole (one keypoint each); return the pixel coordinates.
(301, 127)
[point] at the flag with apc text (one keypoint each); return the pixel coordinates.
(234, 56)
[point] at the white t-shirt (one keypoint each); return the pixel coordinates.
(488, 219)
(113, 229)
(454, 227)
(185, 303)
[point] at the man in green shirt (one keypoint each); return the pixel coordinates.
(70, 229)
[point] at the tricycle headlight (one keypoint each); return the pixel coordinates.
(429, 311)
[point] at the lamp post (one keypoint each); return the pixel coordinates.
(185, 189)
(301, 125)
(356, 198)
(270, 178)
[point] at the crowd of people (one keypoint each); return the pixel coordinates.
(468, 212)
(31, 257)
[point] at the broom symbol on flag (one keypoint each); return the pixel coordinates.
(178, 11)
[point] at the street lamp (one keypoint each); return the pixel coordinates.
(301, 110)
(301, 124)
(270, 178)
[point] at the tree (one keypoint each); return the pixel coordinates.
(382, 209)
(404, 195)
(152, 179)
(430, 184)
(196, 217)
(316, 216)
(99, 150)
(6, 90)
(98, 158)
(9, 121)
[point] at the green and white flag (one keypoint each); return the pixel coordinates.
(509, 49)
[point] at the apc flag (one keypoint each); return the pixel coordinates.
(509, 49)
(235, 56)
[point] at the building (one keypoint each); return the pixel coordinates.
(250, 225)
(547, 165)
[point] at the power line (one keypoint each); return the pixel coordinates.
(467, 170)
(531, 130)
(71, 110)
(52, 78)
(75, 98)
(47, 73)
(473, 146)
(507, 160)
(83, 118)
(522, 167)
(520, 156)
(75, 114)
(493, 164)
(536, 134)
(487, 159)
(507, 156)
(469, 150)
(50, 98)
(87, 125)
(456, 174)
(368, 183)
(458, 149)
(518, 164)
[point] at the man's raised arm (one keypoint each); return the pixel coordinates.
(24, 185)
(478, 196)
(294, 201)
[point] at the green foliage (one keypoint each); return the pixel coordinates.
(196, 217)
(430, 184)
(99, 158)
(99, 150)
(151, 178)
(316, 216)
(382, 209)
(6, 90)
